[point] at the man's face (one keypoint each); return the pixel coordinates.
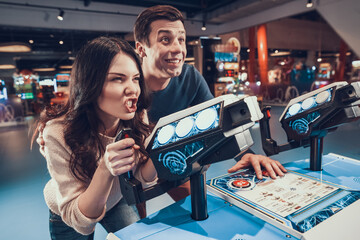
(165, 55)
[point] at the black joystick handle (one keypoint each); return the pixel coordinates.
(125, 133)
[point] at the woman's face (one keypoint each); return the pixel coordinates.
(121, 90)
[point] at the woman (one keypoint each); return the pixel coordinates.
(107, 94)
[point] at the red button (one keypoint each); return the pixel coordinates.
(268, 113)
(126, 135)
(241, 183)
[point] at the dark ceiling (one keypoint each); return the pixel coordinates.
(47, 52)
(190, 7)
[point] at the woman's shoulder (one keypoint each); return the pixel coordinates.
(54, 127)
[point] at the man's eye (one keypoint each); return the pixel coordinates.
(165, 39)
(181, 40)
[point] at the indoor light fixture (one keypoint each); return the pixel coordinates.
(203, 27)
(65, 66)
(7, 66)
(14, 47)
(309, 4)
(61, 15)
(43, 69)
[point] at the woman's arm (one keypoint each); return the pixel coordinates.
(148, 171)
(119, 158)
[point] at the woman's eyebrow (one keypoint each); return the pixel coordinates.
(115, 73)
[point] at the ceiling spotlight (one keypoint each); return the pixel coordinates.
(61, 42)
(61, 15)
(309, 4)
(203, 27)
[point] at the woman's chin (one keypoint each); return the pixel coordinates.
(127, 116)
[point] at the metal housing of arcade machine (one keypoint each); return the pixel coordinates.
(183, 144)
(308, 118)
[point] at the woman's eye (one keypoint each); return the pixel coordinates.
(137, 79)
(117, 79)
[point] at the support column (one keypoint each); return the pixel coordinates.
(340, 69)
(262, 54)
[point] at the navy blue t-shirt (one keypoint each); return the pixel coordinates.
(188, 89)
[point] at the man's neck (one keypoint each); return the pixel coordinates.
(156, 84)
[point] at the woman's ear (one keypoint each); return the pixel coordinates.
(140, 49)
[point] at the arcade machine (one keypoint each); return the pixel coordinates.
(324, 76)
(61, 89)
(3, 91)
(47, 88)
(226, 57)
(24, 89)
(309, 202)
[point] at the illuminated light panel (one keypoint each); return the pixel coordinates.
(309, 103)
(206, 119)
(322, 97)
(184, 127)
(165, 134)
(294, 109)
(194, 124)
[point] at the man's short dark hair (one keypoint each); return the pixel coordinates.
(142, 27)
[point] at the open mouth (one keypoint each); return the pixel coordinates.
(130, 104)
(173, 60)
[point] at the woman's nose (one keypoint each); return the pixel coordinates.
(131, 88)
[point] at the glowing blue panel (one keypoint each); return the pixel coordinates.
(301, 125)
(199, 122)
(176, 161)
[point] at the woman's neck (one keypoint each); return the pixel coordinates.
(111, 129)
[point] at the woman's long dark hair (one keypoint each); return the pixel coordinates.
(82, 124)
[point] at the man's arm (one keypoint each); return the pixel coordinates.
(273, 167)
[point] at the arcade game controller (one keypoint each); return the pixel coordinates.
(183, 144)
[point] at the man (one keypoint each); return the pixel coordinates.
(160, 39)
